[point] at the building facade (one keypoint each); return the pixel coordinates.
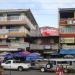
(45, 40)
(15, 26)
(67, 28)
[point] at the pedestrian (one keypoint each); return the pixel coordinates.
(59, 70)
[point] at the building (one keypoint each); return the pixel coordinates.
(67, 30)
(45, 40)
(15, 26)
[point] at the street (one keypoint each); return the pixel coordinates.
(32, 72)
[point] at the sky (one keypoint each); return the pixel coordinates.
(44, 11)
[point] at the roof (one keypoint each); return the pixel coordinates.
(66, 9)
(27, 12)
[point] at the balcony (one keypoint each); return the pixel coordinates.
(13, 22)
(13, 32)
(14, 45)
(19, 45)
(69, 21)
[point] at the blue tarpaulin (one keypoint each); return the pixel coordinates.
(21, 54)
(67, 51)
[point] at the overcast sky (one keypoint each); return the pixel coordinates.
(44, 11)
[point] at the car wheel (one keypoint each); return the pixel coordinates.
(47, 66)
(20, 68)
(42, 70)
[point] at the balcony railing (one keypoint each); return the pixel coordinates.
(16, 45)
(14, 32)
(13, 22)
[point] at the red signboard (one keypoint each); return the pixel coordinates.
(49, 31)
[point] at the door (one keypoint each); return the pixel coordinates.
(7, 65)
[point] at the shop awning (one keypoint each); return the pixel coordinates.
(67, 51)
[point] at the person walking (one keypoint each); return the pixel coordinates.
(59, 70)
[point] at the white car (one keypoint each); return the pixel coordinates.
(13, 64)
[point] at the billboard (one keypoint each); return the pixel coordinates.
(46, 31)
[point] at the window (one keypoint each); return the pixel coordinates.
(8, 62)
(62, 62)
(16, 61)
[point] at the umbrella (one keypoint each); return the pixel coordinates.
(8, 56)
(34, 54)
(21, 54)
(25, 53)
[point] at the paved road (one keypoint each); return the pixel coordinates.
(32, 72)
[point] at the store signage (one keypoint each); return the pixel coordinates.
(67, 40)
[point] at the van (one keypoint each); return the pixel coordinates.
(68, 64)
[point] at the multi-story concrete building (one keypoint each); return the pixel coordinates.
(67, 30)
(45, 41)
(15, 26)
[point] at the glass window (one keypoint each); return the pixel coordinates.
(8, 62)
(16, 61)
(62, 62)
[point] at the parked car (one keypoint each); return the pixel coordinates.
(13, 64)
(38, 63)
